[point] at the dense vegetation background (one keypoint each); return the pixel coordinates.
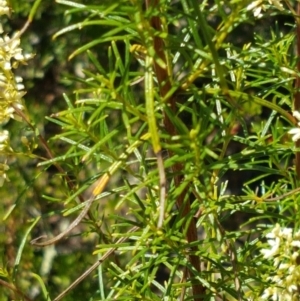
(218, 117)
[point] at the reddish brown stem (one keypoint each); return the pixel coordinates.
(297, 85)
(183, 202)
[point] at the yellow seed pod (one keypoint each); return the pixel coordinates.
(138, 51)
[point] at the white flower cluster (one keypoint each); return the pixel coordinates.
(4, 10)
(257, 6)
(11, 88)
(296, 131)
(284, 255)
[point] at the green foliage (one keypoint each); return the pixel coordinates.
(193, 131)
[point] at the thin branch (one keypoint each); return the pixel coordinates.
(14, 289)
(162, 184)
(95, 265)
(99, 187)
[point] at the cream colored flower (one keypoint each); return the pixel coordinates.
(11, 89)
(257, 6)
(283, 283)
(4, 140)
(295, 132)
(4, 9)
(3, 176)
